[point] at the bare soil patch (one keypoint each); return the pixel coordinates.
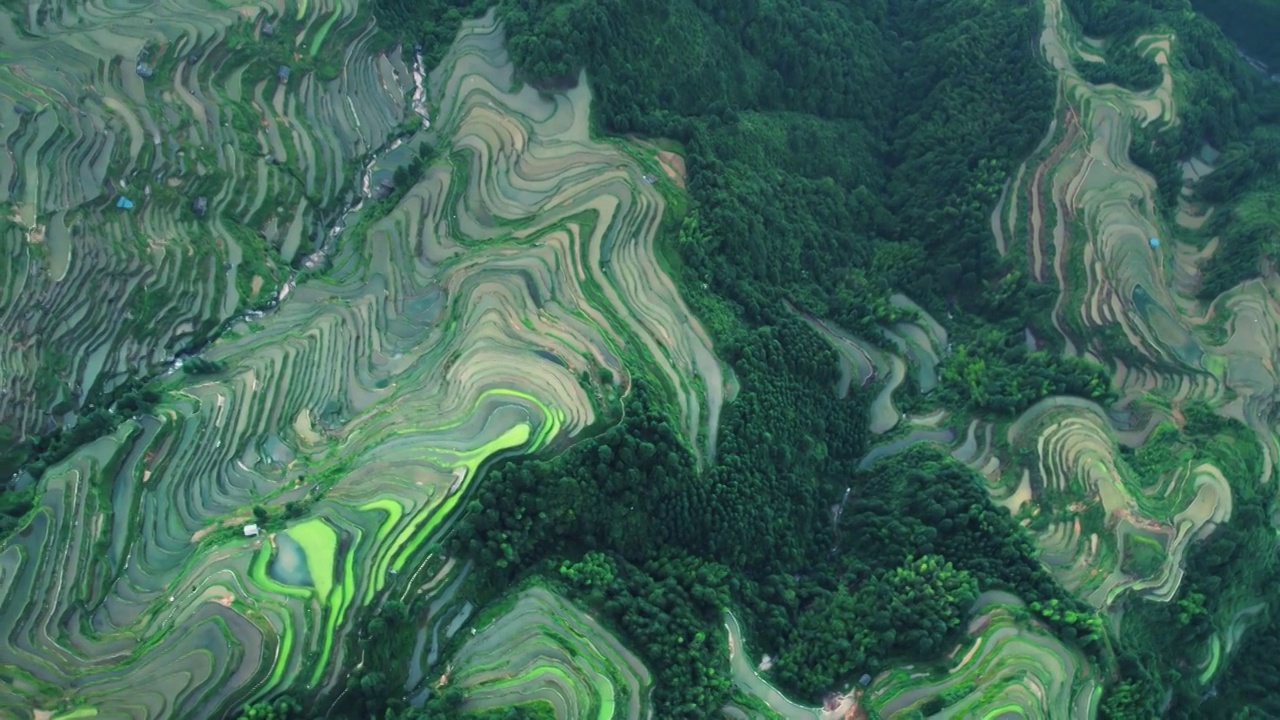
(673, 165)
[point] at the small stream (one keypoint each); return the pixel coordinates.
(344, 217)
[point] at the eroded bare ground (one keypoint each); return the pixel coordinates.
(673, 166)
(672, 163)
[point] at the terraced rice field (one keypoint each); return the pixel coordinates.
(1103, 527)
(1090, 213)
(508, 295)
(544, 651)
(922, 342)
(1010, 667)
(1085, 214)
(1110, 510)
(227, 172)
(1111, 280)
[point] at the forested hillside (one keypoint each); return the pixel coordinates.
(1253, 24)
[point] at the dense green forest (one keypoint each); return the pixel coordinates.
(1245, 185)
(1254, 24)
(891, 580)
(836, 152)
